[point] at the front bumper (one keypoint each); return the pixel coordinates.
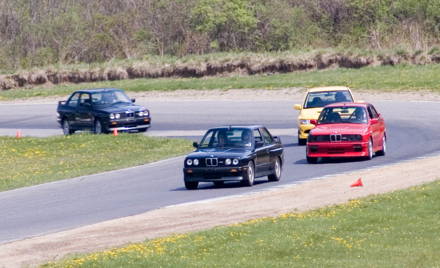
(337, 149)
(303, 130)
(128, 125)
(212, 174)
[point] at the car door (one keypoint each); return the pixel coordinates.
(262, 153)
(69, 110)
(275, 150)
(84, 116)
(375, 126)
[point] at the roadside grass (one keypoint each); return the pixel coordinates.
(399, 229)
(30, 161)
(381, 78)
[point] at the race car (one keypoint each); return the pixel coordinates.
(316, 98)
(234, 153)
(347, 130)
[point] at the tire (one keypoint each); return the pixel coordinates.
(219, 183)
(370, 150)
(312, 160)
(141, 130)
(277, 168)
(384, 146)
(67, 130)
(249, 176)
(97, 127)
(191, 185)
(301, 141)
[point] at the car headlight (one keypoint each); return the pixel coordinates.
(117, 116)
(228, 161)
(112, 116)
(141, 113)
(189, 162)
(235, 162)
(146, 113)
(304, 122)
(196, 162)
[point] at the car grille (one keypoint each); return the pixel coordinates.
(211, 162)
(335, 138)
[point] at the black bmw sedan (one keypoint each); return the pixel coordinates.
(234, 153)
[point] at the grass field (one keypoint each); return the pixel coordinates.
(383, 78)
(30, 161)
(399, 229)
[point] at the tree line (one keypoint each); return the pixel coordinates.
(44, 32)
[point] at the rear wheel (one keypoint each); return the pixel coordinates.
(312, 160)
(384, 146)
(191, 185)
(67, 130)
(249, 175)
(276, 176)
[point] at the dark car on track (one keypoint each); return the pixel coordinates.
(102, 110)
(234, 153)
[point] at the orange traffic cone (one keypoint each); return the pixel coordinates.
(115, 132)
(18, 134)
(357, 183)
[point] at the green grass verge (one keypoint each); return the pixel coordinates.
(382, 78)
(391, 230)
(30, 161)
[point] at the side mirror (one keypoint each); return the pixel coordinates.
(297, 107)
(314, 122)
(133, 100)
(277, 139)
(195, 145)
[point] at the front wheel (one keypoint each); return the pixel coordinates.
(191, 185)
(276, 176)
(370, 150)
(143, 130)
(249, 175)
(301, 141)
(67, 130)
(97, 128)
(312, 160)
(384, 146)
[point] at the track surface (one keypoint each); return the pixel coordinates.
(413, 131)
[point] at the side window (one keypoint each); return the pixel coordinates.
(85, 99)
(73, 101)
(257, 135)
(372, 112)
(267, 138)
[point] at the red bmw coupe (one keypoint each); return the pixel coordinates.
(347, 130)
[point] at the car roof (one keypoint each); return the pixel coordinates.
(240, 126)
(95, 90)
(332, 88)
(349, 104)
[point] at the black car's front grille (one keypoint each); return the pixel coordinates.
(127, 115)
(211, 162)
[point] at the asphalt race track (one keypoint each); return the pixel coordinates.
(413, 131)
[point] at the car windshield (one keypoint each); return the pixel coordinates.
(110, 98)
(342, 115)
(321, 99)
(227, 138)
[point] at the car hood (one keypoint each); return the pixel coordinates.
(327, 129)
(120, 108)
(220, 153)
(310, 113)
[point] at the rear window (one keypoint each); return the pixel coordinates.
(321, 99)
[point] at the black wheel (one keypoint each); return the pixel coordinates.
(301, 141)
(143, 129)
(97, 127)
(370, 150)
(219, 183)
(312, 160)
(67, 130)
(191, 185)
(249, 175)
(384, 146)
(276, 176)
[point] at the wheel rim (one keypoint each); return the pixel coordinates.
(277, 168)
(251, 173)
(384, 145)
(370, 149)
(98, 128)
(66, 128)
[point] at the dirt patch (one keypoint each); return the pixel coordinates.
(207, 214)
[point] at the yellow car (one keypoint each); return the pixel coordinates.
(314, 102)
